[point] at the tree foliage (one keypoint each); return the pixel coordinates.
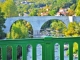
(55, 26)
(77, 11)
(9, 8)
(58, 25)
(70, 12)
(41, 4)
(62, 3)
(58, 28)
(73, 6)
(33, 12)
(0, 4)
(46, 25)
(52, 12)
(19, 30)
(18, 7)
(2, 21)
(73, 29)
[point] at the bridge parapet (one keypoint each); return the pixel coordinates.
(48, 47)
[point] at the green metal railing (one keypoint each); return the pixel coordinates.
(47, 47)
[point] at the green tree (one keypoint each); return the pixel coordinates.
(2, 21)
(46, 25)
(73, 29)
(1, 4)
(57, 24)
(52, 12)
(58, 27)
(73, 6)
(9, 8)
(33, 12)
(77, 11)
(62, 3)
(22, 8)
(18, 31)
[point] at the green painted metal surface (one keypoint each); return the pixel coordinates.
(47, 47)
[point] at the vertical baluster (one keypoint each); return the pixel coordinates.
(4, 53)
(70, 51)
(34, 52)
(14, 52)
(51, 53)
(61, 51)
(24, 52)
(53, 56)
(78, 51)
(48, 51)
(43, 51)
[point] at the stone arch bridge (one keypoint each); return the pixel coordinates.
(38, 21)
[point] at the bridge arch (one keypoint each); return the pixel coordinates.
(27, 25)
(50, 21)
(35, 21)
(25, 21)
(46, 27)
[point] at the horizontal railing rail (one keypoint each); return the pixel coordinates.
(47, 44)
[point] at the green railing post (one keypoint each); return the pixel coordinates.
(24, 52)
(34, 52)
(70, 50)
(61, 51)
(43, 51)
(48, 48)
(4, 52)
(14, 52)
(78, 50)
(53, 54)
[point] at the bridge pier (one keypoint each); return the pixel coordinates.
(36, 33)
(70, 18)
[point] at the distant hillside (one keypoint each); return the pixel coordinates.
(39, 7)
(46, 1)
(38, 1)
